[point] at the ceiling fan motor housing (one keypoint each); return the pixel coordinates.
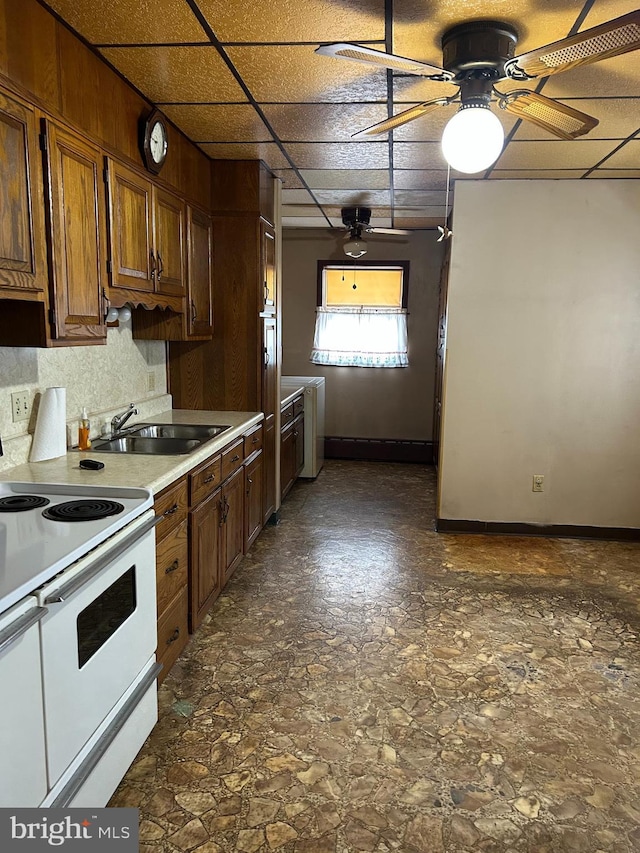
(478, 46)
(352, 216)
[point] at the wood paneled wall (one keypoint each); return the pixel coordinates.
(42, 60)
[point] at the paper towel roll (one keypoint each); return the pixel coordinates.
(50, 438)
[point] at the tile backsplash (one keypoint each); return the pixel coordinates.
(105, 379)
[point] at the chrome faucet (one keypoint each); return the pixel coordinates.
(118, 421)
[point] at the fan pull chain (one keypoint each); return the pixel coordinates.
(445, 231)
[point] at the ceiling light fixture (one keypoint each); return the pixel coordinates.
(473, 139)
(355, 247)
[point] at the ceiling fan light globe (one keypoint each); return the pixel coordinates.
(355, 248)
(473, 139)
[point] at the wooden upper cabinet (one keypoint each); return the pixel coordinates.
(169, 242)
(22, 240)
(77, 236)
(268, 265)
(199, 297)
(131, 229)
(148, 240)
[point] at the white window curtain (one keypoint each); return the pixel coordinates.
(361, 337)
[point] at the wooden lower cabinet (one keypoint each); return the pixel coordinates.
(291, 444)
(173, 632)
(253, 494)
(232, 527)
(205, 522)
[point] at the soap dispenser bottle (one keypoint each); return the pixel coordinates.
(84, 429)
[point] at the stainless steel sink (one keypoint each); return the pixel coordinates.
(202, 432)
(138, 444)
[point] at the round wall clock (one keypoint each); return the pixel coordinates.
(155, 141)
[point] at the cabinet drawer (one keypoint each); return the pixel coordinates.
(205, 480)
(298, 406)
(286, 415)
(172, 563)
(232, 458)
(172, 632)
(253, 441)
(172, 505)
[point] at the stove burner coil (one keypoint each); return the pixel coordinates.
(21, 503)
(85, 510)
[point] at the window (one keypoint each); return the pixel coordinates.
(361, 318)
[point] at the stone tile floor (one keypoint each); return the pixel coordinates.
(364, 683)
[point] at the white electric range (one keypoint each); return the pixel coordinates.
(77, 639)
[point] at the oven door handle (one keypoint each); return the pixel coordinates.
(16, 629)
(67, 589)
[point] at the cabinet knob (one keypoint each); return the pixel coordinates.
(173, 637)
(160, 266)
(171, 510)
(153, 265)
(235, 458)
(172, 568)
(210, 478)
(194, 312)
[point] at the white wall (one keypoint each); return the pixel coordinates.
(543, 354)
(102, 378)
(366, 402)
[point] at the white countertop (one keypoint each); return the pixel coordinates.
(136, 469)
(287, 395)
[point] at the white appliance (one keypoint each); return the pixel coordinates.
(77, 640)
(314, 402)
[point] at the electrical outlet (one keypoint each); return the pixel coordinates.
(21, 405)
(151, 381)
(538, 483)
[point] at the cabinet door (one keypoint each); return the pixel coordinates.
(269, 468)
(287, 450)
(204, 548)
(298, 445)
(269, 366)
(169, 229)
(232, 544)
(77, 236)
(268, 264)
(133, 262)
(199, 302)
(22, 240)
(252, 501)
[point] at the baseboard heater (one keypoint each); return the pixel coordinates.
(519, 528)
(378, 449)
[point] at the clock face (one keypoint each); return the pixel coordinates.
(158, 142)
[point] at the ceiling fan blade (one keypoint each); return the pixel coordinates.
(557, 118)
(357, 53)
(401, 118)
(399, 231)
(611, 39)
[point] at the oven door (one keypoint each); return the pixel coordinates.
(98, 635)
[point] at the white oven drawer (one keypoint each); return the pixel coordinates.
(98, 634)
(23, 780)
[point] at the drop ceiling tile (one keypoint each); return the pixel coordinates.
(290, 20)
(618, 117)
(560, 154)
(124, 22)
(427, 212)
(333, 155)
(536, 174)
(381, 221)
(418, 155)
(420, 179)
(304, 222)
(301, 210)
(607, 10)
(628, 157)
(295, 74)
(322, 122)
(267, 151)
(219, 122)
(418, 198)
(357, 179)
(289, 178)
(183, 74)
(353, 198)
(415, 90)
(297, 197)
(616, 174)
(423, 222)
